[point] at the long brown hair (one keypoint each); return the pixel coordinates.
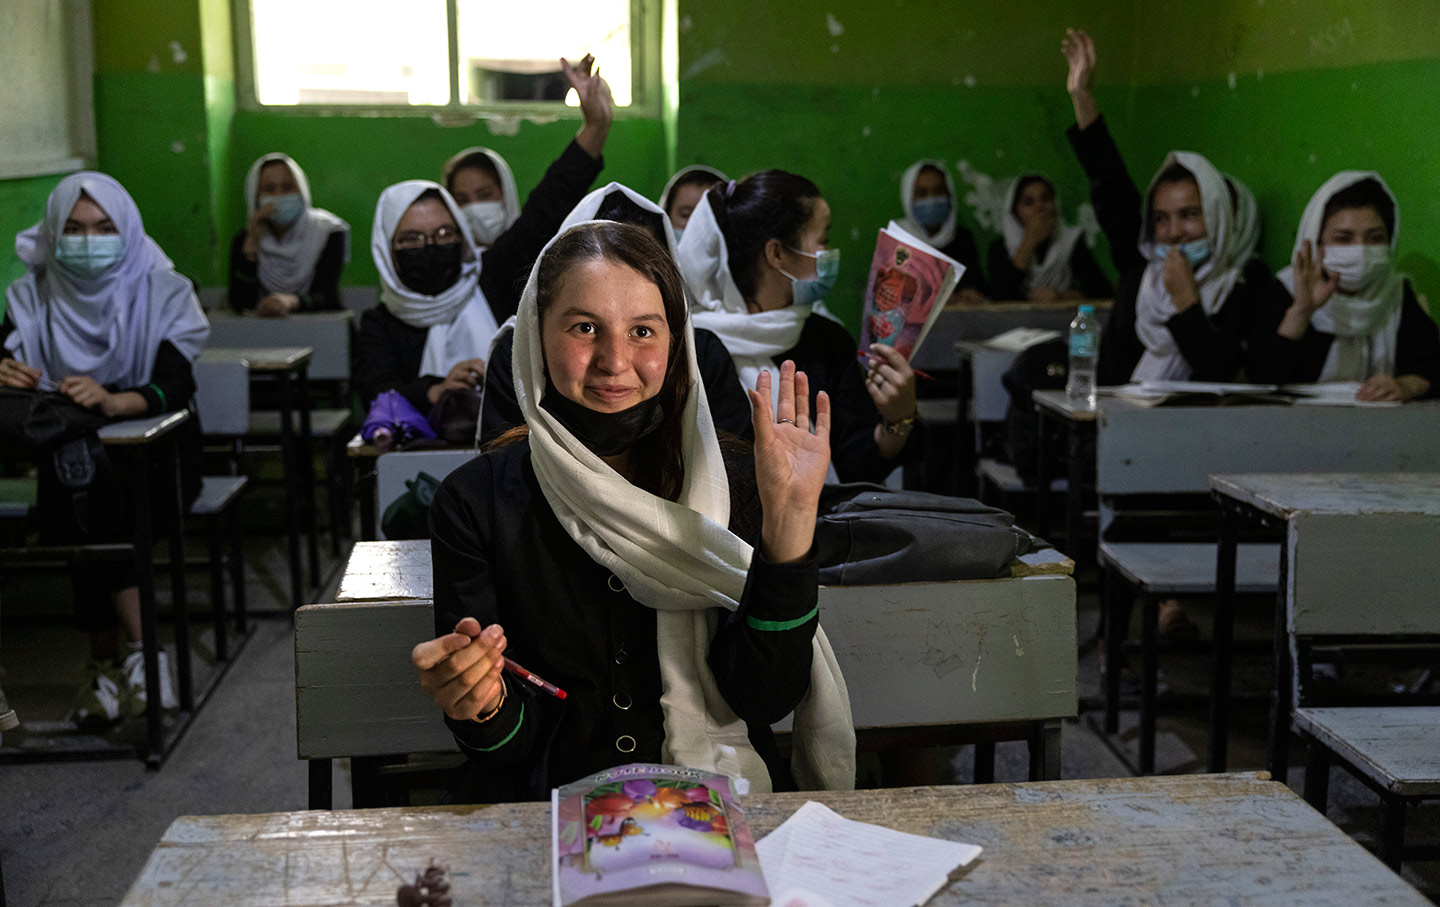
(657, 461)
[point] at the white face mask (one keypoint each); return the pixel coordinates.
(486, 219)
(1359, 267)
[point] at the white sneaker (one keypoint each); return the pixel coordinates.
(134, 670)
(97, 705)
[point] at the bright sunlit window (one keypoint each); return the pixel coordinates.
(379, 53)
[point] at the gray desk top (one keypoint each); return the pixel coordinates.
(262, 359)
(343, 316)
(1186, 840)
(1397, 747)
(1282, 495)
(142, 431)
(1024, 305)
(1058, 403)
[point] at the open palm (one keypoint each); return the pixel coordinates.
(791, 461)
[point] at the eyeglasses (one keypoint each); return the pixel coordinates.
(414, 239)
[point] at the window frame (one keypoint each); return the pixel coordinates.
(646, 79)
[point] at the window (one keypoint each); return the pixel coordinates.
(456, 54)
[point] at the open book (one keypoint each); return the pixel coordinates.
(910, 282)
(653, 834)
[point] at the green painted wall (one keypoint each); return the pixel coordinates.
(22, 204)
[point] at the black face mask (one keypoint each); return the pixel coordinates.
(605, 434)
(429, 270)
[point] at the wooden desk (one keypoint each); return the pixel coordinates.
(142, 439)
(1363, 537)
(984, 320)
(387, 571)
(289, 366)
(1188, 840)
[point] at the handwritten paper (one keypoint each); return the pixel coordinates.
(819, 858)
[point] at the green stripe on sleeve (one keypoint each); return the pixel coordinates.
(508, 737)
(774, 625)
(164, 406)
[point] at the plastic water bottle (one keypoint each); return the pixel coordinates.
(1084, 352)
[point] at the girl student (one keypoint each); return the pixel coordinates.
(101, 317)
(442, 291)
(508, 234)
(1348, 314)
(683, 192)
(927, 194)
(1039, 257)
(756, 259)
(607, 545)
(729, 408)
(290, 254)
(1187, 306)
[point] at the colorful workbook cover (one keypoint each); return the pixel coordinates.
(910, 282)
(653, 834)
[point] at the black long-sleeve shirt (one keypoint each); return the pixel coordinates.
(246, 291)
(964, 250)
(1218, 346)
(388, 352)
(1417, 347)
(729, 407)
(500, 555)
(1008, 281)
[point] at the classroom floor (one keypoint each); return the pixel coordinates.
(77, 833)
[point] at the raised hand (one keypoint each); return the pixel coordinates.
(1313, 288)
(1179, 281)
(461, 671)
(596, 103)
(790, 462)
(1079, 52)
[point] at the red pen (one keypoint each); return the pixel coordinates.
(536, 679)
(861, 354)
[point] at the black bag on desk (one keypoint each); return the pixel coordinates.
(36, 422)
(60, 436)
(869, 534)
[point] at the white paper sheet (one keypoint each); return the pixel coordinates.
(1017, 340)
(818, 858)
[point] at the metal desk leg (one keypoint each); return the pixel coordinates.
(967, 442)
(1045, 750)
(321, 785)
(1150, 640)
(214, 545)
(291, 458)
(1112, 588)
(149, 635)
(365, 490)
(985, 762)
(1392, 830)
(1224, 636)
(1280, 701)
(1043, 477)
(179, 607)
(1317, 775)
(1074, 494)
(307, 474)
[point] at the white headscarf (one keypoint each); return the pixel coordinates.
(590, 204)
(680, 559)
(509, 195)
(108, 327)
(717, 305)
(946, 234)
(287, 264)
(1216, 277)
(1053, 270)
(681, 174)
(1366, 328)
(460, 321)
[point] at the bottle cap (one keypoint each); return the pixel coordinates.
(1087, 308)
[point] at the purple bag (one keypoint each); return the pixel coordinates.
(392, 422)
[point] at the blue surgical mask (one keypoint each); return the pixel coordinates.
(287, 207)
(89, 256)
(1197, 252)
(931, 212)
(813, 289)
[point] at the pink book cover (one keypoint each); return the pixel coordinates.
(674, 834)
(909, 284)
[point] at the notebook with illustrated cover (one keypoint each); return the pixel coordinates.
(910, 282)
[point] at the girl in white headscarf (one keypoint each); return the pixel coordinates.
(1187, 304)
(683, 192)
(756, 261)
(431, 331)
(101, 317)
(927, 195)
(1349, 315)
(500, 410)
(290, 254)
(606, 549)
(1038, 256)
(508, 234)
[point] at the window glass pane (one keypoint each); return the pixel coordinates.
(350, 51)
(511, 51)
